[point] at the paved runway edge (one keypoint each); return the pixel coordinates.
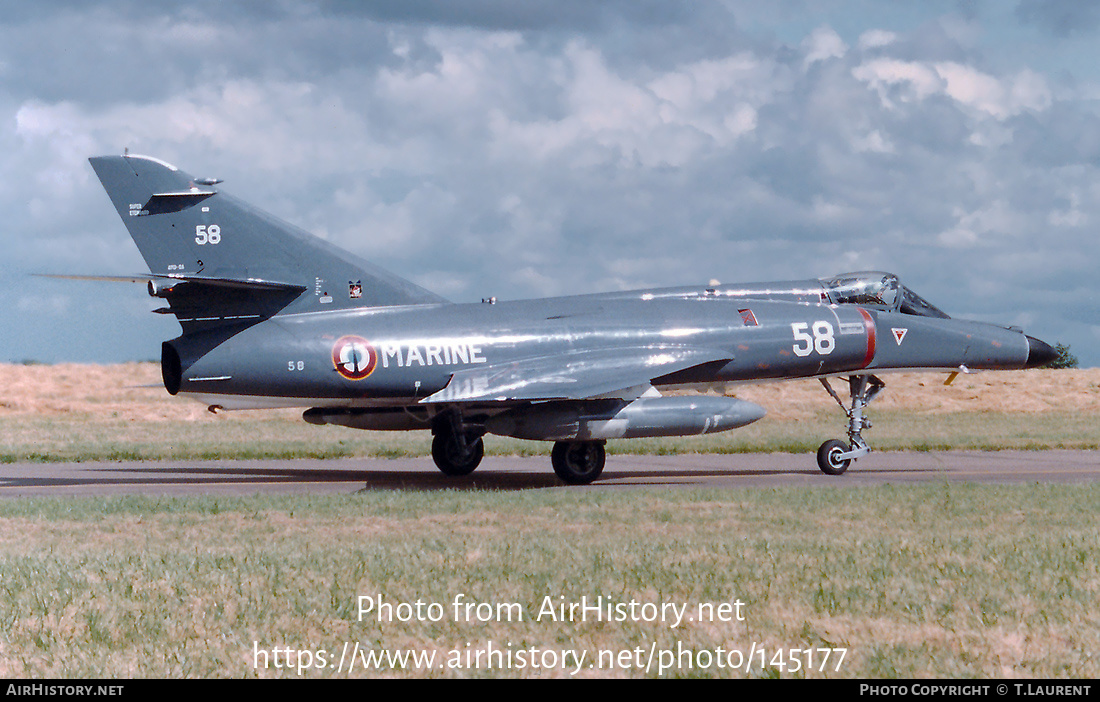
(350, 475)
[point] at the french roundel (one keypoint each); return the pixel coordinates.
(354, 357)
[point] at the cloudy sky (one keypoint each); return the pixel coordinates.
(532, 148)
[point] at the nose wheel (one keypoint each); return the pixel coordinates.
(829, 457)
(834, 456)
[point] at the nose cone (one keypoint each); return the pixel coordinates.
(1039, 353)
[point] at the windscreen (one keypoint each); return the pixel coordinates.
(912, 303)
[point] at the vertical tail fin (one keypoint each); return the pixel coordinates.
(185, 228)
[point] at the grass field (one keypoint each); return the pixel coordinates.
(940, 581)
(914, 581)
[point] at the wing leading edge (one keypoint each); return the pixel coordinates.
(624, 373)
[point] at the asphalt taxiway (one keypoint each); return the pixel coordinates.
(520, 473)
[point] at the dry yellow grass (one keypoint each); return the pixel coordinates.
(126, 391)
(71, 412)
(925, 393)
(133, 391)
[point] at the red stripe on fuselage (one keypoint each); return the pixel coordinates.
(872, 335)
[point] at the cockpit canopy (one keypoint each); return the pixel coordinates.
(879, 290)
(872, 289)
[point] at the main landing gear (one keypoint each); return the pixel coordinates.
(457, 449)
(835, 456)
(578, 462)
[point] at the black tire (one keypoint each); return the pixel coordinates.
(451, 460)
(578, 462)
(827, 457)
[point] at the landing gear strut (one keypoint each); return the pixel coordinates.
(835, 456)
(457, 449)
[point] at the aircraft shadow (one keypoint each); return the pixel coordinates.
(136, 475)
(222, 476)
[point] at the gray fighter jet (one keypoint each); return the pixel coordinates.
(274, 317)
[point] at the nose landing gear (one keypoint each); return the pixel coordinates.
(835, 456)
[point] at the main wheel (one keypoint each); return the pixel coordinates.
(828, 457)
(450, 458)
(578, 462)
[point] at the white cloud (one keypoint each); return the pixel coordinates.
(1071, 216)
(668, 119)
(981, 92)
(823, 43)
(916, 79)
(876, 38)
(999, 98)
(994, 223)
(873, 142)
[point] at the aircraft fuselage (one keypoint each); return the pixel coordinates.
(403, 355)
